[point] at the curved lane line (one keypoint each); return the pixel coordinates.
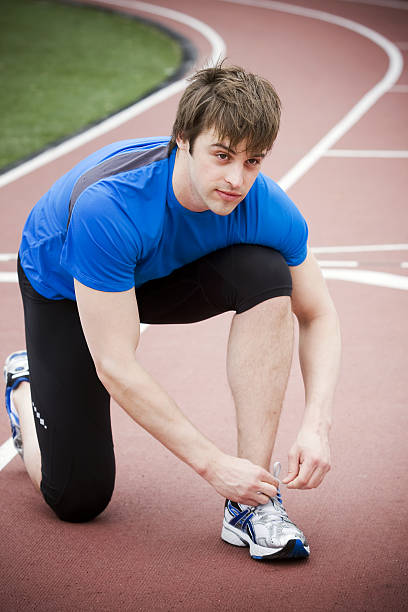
(218, 49)
(394, 4)
(365, 103)
(363, 248)
(7, 453)
(367, 153)
(368, 277)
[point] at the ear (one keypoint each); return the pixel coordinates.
(182, 144)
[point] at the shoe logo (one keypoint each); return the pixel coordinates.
(242, 520)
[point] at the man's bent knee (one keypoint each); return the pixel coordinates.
(81, 503)
(263, 274)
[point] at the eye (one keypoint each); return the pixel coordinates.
(222, 156)
(253, 161)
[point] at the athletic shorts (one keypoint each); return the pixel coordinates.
(71, 406)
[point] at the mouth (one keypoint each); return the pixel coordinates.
(228, 196)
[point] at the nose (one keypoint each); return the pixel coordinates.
(234, 175)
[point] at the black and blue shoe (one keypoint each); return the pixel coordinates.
(266, 529)
(15, 371)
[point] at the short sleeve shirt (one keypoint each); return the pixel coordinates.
(113, 222)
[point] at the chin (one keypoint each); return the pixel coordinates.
(222, 209)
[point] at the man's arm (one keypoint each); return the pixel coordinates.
(319, 353)
(111, 326)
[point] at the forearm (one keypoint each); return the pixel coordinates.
(319, 353)
(151, 407)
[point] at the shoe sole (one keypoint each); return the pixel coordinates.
(294, 549)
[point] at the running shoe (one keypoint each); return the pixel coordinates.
(15, 371)
(266, 529)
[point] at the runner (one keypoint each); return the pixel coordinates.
(177, 230)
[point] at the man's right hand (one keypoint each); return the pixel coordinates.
(241, 480)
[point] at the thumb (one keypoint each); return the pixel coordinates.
(293, 467)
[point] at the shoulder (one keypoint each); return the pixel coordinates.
(124, 161)
(276, 220)
(124, 182)
(266, 191)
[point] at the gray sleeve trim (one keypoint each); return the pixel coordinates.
(115, 165)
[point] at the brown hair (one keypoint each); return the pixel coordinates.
(238, 105)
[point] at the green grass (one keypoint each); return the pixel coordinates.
(63, 67)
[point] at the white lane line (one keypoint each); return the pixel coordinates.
(365, 153)
(8, 256)
(364, 104)
(394, 4)
(7, 453)
(368, 277)
(332, 263)
(218, 49)
(8, 277)
(365, 248)
(404, 264)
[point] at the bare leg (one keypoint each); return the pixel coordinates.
(32, 457)
(259, 357)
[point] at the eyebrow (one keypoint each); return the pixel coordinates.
(222, 146)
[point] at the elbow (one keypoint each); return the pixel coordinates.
(328, 315)
(113, 373)
(105, 375)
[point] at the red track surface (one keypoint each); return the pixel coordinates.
(157, 546)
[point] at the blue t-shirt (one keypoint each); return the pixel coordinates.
(113, 222)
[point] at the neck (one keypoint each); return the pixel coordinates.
(182, 185)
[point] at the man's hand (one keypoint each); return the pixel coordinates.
(241, 480)
(309, 460)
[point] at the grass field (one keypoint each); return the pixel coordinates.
(63, 67)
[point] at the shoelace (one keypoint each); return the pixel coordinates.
(276, 501)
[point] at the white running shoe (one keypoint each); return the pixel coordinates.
(15, 371)
(266, 529)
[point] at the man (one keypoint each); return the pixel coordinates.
(174, 232)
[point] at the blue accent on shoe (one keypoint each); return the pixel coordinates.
(12, 378)
(256, 557)
(252, 532)
(233, 510)
(299, 551)
(239, 517)
(247, 524)
(11, 414)
(248, 518)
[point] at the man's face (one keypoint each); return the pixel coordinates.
(215, 177)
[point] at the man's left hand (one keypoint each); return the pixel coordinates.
(309, 460)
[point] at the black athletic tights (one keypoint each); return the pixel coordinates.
(72, 407)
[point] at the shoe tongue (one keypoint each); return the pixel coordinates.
(245, 506)
(271, 503)
(273, 506)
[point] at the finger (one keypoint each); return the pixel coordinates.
(293, 467)
(267, 477)
(268, 489)
(305, 473)
(256, 499)
(262, 499)
(318, 476)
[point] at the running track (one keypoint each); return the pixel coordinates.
(157, 547)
